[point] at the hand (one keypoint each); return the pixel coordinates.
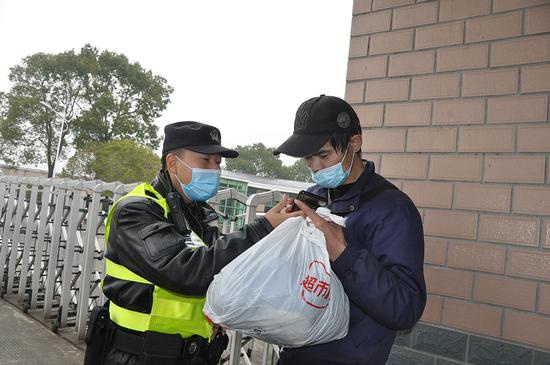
(334, 234)
(281, 212)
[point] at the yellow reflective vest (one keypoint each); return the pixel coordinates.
(171, 313)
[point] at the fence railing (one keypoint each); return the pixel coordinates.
(52, 245)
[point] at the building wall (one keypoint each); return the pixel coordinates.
(21, 171)
(453, 98)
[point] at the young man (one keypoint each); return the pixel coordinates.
(378, 256)
(163, 251)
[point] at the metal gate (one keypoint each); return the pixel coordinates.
(52, 246)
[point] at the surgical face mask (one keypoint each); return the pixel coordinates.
(333, 176)
(204, 183)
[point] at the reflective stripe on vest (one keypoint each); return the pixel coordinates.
(170, 313)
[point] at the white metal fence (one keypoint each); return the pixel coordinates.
(52, 246)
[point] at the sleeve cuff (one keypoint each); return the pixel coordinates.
(264, 225)
(345, 261)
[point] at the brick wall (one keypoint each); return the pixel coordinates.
(453, 98)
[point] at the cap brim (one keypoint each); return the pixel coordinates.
(300, 145)
(214, 149)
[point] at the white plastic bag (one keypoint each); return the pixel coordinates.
(282, 290)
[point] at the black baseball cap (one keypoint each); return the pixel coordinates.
(197, 137)
(316, 120)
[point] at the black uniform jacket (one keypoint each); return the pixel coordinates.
(145, 242)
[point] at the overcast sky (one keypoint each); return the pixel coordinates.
(244, 66)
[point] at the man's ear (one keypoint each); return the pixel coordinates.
(171, 162)
(356, 142)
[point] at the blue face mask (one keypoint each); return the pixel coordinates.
(204, 183)
(333, 176)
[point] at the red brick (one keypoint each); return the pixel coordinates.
(535, 78)
(509, 229)
(417, 113)
(387, 90)
(449, 223)
(515, 169)
(533, 108)
(354, 92)
(366, 68)
(534, 139)
(478, 318)
(374, 157)
(390, 42)
(462, 57)
(384, 140)
(431, 140)
(415, 15)
(361, 6)
(444, 281)
(436, 86)
(466, 168)
(439, 35)
(411, 63)
(385, 4)
(404, 166)
(483, 197)
(500, 290)
(358, 46)
(519, 51)
(458, 9)
(531, 200)
(505, 5)
(370, 115)
(544, 299)
(493, 27)
(494, 82)
(371, 23)
(527, 328)
(435, 250)
(476, 256)
(432, 312)
(483, 139)
(429, 194)
(537, 20)
(460, 111)
(530, 264)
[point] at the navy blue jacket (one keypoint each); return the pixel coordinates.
(381, 271)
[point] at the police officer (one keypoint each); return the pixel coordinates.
(163, 250)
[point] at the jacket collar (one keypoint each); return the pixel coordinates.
(349, 202)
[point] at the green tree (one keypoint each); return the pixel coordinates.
(122, 160)
(120, 99)
(299, 171)
(103, 97)
(257, 159)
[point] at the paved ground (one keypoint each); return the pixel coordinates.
(24, 340)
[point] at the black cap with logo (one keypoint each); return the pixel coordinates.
(197, 137)
(316, 120)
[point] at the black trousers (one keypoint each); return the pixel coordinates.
(118, 357)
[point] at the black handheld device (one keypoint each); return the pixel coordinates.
(311, 200)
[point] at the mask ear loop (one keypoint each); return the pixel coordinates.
(347, 172)
(351, 164)
(189, 167)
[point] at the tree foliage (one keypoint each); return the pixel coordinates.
(257, 159)
(122, 160)
(101, 95)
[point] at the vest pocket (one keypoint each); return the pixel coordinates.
(161, 239)
(134, 296)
